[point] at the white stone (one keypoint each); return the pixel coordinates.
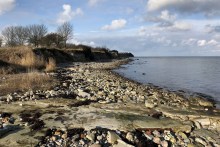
(112, 137)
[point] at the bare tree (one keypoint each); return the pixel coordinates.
(36, 33)
(1, 41)
(20, 35)
(9, 36)
(15, 35)
(66, 31)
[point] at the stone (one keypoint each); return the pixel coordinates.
(112, 137)
(182, 135)
(205, 103)
(7, 128)
(190, 145)
(156, 133)
(157, 140)
(172, 140)
(121, 143)
(91, 137)
(58, 132)
(64, 136)
(83, 94)
(149, 105)
(9, 98)
(203, 121)
(130, 137)
(197, 125)
(82, 142)
(184, 128)
(95, 145)
(200, 140)
(99, 137)
(103, 102)
(164, 143)
(148, 135)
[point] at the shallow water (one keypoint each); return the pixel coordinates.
(192, 74)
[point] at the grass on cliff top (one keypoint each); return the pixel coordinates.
(23, 58)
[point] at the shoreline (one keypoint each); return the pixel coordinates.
(188, 92)
(91, 95)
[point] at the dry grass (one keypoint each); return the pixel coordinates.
(5, 70)
(30, 60)
(19, 60)
(51, 65)
(25, 81)
(23, 57)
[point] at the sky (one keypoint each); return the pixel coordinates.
(143, 27)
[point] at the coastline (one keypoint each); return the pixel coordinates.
(188, 92)
(98, 92)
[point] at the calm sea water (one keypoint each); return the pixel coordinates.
(192, 74)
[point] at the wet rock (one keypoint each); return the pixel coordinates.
(8, 128)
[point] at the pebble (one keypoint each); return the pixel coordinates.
(164, 143)
(157, 140)
(200, 140)
(112, 137)
(130, 136)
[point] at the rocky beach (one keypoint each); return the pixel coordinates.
(93, 106)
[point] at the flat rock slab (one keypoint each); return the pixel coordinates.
(57, 113)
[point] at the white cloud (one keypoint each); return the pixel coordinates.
(207, 7)
(94, 2)
(115, 24)
(167, 21)
(164, 19)
(68, 14)
(212, 42)
(201, 42)
(181, 26)
(78, 42)
(166, 16)
(6, 5)
(90, 43)
(189, 42)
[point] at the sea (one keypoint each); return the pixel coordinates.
(190, 74)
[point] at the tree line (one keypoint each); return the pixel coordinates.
(37, 35)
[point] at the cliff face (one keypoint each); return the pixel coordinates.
(81, 54)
